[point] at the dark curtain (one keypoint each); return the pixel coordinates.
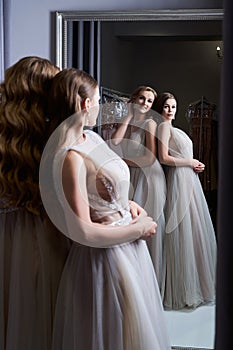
(4, 36)
(84, 50)
(224, 302)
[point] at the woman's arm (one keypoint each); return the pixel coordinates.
(81, 228)
(164, 134)
(119, 134)
(149, 155)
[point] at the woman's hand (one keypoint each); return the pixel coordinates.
(149, 226)
(199, 168)
(135, 209)
(130, 112)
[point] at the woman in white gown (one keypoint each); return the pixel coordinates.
(137, 136)
(108, 296)
(190, 242)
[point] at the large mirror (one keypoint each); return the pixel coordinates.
(171, 50)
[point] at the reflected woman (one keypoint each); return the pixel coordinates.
(137, 137)
(189, 243)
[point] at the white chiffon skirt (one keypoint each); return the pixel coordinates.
(190, 250)
(148, 189)
(109, 300)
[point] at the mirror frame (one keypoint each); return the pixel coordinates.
(63, 17)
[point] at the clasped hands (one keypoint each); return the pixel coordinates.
(149, 226)
(198, 167)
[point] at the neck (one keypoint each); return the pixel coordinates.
(74, 136)
(169, 121)
(139, 116)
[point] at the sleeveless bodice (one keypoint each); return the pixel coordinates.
(108, 184)
(135, 145)
(180, 144)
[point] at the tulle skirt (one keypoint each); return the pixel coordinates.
(32, 256)
(109, 300)
(189, 272)
(148, 189)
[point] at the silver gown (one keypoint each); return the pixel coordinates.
(190, 244)
(32, 257)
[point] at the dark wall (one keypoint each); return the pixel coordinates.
(185, 64)
(189, 68)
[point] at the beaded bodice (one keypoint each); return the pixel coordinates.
(108, 182)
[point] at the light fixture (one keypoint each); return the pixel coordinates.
(219, 52)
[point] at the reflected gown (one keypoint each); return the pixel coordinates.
(190, 243)
(148, 189)
(32, 256)
(108, 297)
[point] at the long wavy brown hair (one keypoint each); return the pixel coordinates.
(23, 130)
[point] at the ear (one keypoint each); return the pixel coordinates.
(86, 103)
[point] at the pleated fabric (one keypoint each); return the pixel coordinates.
(32, 256)
(189, 266)
(148, 189)
(108, 298)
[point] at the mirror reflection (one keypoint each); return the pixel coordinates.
(181, 54)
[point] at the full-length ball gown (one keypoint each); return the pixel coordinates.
(190, 242)
(32, 256)
(109, 297)
(148, 188)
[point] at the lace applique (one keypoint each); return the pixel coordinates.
(110, 192)
(114, 206)
(4, 208)
(111, 205)
(8, 210)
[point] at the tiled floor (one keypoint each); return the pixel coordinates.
(192, 328)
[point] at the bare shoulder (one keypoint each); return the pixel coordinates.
(164, 126)
(73, 156)
(164, 131)
(76, 160)
(150, 124)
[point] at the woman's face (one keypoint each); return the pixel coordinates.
(169, 109)
(144, 101)
(94, 108)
